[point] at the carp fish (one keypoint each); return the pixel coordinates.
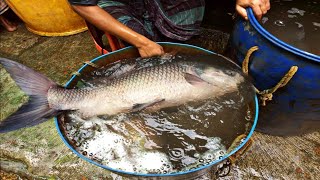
(152, 88)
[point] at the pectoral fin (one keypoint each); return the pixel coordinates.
(194, 79)
(139, 107)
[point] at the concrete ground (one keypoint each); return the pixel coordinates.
(39, 153)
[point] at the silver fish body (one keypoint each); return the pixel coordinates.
(167, 84)
(155, 87)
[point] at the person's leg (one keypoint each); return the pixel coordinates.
(9, 26)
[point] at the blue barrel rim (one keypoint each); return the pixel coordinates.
(156, 175)
(256, 25)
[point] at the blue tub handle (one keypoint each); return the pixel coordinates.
(266, 95)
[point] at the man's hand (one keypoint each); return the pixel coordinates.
(150, 48)
(105, 22)
(259, 7)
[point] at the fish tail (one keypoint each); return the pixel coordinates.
(36, 86)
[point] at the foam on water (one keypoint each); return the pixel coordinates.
(151, 144)
(167, 141)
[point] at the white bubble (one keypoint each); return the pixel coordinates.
(264, 19)
(279, 23)
(316, 24)
(291, 16)
(296, 11)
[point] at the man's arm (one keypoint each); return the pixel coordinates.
(105, 22)
(259, 7)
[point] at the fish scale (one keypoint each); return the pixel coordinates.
(156, 76)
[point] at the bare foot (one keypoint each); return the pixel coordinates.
(7, 24)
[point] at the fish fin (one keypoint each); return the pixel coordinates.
(36, 86)
(194, 79)
(34, 112)
(30, 81)
(139, 107)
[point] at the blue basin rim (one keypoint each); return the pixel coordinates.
(157, 175)
(253, 21)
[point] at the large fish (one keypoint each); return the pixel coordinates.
(152, 88)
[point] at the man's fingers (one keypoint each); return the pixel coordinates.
(242, 12)
(268, 5)
(150, 49)
(265, 6)
(257, 11)
(259, 7)
(162, 50)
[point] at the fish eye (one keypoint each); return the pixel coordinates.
(230, 72)
(199, 71)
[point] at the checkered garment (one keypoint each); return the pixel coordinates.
(159, 20)
(3, 6)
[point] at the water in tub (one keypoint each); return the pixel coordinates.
(296, 23)
(170, 140)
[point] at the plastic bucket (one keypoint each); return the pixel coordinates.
(48, 18)
(295, 108)
(131, 52)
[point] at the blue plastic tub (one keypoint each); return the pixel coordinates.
(295, 108)
(131, 52)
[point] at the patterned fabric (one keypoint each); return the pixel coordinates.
(83, 2)
(3, 6)
(159, 20)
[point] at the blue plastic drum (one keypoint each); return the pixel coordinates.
(295, 108)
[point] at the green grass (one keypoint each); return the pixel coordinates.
(10, 94)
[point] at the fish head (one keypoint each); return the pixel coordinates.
(228, 78)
